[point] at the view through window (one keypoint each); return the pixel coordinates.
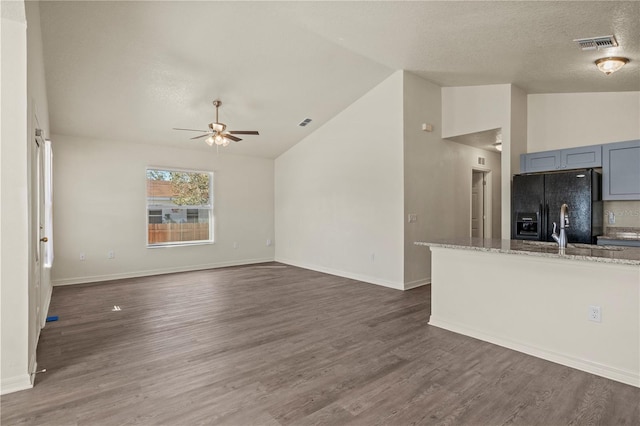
(179, 207)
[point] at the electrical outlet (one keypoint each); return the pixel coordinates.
(82, 256)
(373, 257)
(612, 218)
(595, 314)
(413, 218)
(111, 254)
(269, 243)
(235, 244)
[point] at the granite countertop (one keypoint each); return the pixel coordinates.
(592, 253)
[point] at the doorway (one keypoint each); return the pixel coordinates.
(479, 205)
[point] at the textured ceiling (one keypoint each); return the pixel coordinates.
(131, 71)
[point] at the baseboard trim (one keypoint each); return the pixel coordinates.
(15, 384)
(624, 376)
(343, 274)
(151, 272)
(417, 283)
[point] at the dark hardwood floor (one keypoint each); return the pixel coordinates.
(278, 345)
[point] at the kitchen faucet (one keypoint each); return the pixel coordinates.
(564, 223)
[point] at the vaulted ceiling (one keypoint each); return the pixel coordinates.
(131, 71)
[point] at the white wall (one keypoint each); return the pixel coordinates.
(38, 118)
(539, 305)
(566, 120)
(516, 147)
(100, 205)
(339, 192)
(437, 178)
(14, 223)
(473, 109)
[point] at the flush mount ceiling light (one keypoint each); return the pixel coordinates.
(611, 64)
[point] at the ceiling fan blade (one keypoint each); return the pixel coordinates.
(231, 137)
(201, 136)
(191, 130)
(244, 132)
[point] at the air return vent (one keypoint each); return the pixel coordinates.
(304, 122)
(596, 43)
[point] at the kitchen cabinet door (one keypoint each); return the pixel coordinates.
(621, 171)
(583, 157)
(562, 159)
(540, 161)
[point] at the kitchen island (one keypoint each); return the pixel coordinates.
(537, 299)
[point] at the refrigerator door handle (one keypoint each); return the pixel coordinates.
(540, 221)
(543, 233)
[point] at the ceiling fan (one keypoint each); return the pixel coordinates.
(217, 133)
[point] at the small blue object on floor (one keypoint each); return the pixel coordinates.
(52, 318)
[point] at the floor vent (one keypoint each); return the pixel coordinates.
(596, 43)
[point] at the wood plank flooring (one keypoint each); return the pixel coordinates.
(278, 345)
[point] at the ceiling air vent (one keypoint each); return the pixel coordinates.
(596, 43)
(304, 122)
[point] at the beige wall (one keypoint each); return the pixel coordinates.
(100, 205)
(437, 179)
(14, 223)
(567, 120)
(339, 192)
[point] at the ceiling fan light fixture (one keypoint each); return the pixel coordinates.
(216, 134)
(611, 64)
(218, 127)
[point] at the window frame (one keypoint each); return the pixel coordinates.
(210, 207)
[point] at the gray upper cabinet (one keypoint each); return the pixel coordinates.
(621, 171)
(540, 161)
(581, 158)
(561, 159)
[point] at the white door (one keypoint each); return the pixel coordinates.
(37, 224)
(477, 204)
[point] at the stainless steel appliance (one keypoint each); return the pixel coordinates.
(536, 201)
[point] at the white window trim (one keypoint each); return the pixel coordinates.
(211, 205)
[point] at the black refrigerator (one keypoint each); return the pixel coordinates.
(536, 200)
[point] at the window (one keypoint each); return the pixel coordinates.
(179, 207)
